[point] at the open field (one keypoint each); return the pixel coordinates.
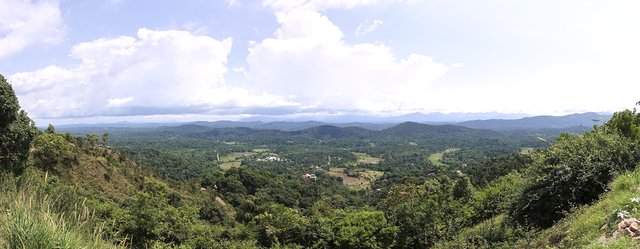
(436, 157)
(363, 181)
(233, 160)
(366, 158)
(229, 165)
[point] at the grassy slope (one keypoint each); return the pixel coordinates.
(31, 218)
(585, 226)
(581, 229)
(46, 210)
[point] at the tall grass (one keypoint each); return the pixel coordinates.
(35, 215)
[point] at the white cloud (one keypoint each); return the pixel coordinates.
(27, 23)
(117, 102)
(368, 27)
(309, 59)
(154, 73)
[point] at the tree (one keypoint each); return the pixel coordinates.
(364, 229)
(16, 130)
(92, 140)
(52, 152)
(280, 224)
(155, 220)
(625, 123)
(462, 189)
(105, 138)
(213, 212)
(50, 129)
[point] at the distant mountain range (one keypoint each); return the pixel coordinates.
(586, 120)
(540, 122)
(434, 117)
(573, 122)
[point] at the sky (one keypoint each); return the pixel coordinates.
(76, 61)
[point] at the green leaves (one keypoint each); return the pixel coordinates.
(573, 172)
(280, 224)
(52, 152)
(154, 219)
(364, 229)
(16, 131)
(9, 106)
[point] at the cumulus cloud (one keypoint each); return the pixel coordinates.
(156, 72)
(306, 67)
(368, 27)
(27, 23)
(309, 59)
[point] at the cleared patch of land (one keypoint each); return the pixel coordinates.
(525, 151)
(361, 180)
(233, 160)
(229, 165)
(366, 158)
(436, 157)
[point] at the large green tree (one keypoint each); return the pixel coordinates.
(16, 130)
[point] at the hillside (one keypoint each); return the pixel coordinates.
(539, 122)
(589, 226)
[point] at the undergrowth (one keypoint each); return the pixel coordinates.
(32, 215)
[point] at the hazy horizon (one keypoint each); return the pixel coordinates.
(430, 118)
(78, 62)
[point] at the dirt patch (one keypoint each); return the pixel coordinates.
(350, 181)
(219, 200)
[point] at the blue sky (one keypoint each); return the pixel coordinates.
(73, 61)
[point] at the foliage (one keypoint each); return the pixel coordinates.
(279, 224)
(573, 172)
(626, 123)
(498, 197)
(38, 217)
(426, 213)
(496, 232)
(154, 219)
(364, 229)
(585, 225)
(16, 130)
(51, 152)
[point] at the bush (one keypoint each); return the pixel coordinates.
(52, 152)
(573, 172)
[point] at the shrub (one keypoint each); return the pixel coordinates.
(573, 172)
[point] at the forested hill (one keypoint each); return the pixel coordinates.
(540, 122)
(423, 135)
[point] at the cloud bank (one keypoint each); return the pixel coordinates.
(156, 72)
(309, 59)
